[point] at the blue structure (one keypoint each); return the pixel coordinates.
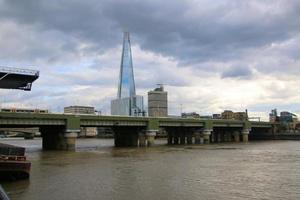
(127, 102)
(126, 80)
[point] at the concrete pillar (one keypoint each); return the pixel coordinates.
(202, 140)
(219, 137)
(189, 139)
(213, 140)
(225, 137)
(236, 136)
(150, 135)
(206, 135)
(182, 138)
(176, 139)
(55, 138)
(170, 138)
(70, 141)
(222, 136)
(142, 139)
(197, 137)
(228, 136)
(245, 134)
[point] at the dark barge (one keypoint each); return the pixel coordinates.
(13, 163)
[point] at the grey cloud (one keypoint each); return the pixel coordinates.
(237, 72)
(221, 31)
(202, 35)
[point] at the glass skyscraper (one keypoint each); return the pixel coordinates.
(127, 102)
(126, 80)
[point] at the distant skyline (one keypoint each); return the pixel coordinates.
(211, 55)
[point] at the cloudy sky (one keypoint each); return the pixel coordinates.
(211, 55)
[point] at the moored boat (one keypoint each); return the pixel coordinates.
(13, 163)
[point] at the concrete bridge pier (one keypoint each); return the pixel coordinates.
(150, 136)
(170, 138)
(58, 139)
(176, 139)
(70, 141)
(245, 134)
(142, 139)
(228, 135)
(189, 138)
(225, 136)
(219, 137)
(236, 135)
(212, 137)
(206, 135)
(197, 135)
(182, 137)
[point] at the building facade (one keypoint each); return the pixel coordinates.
(190, 115)
(128, 106)
(79, 110)
(127, 102)
(86, 110)
(158, 102)
(228, 114)
(273, 117)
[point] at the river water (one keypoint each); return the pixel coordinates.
(97, 170)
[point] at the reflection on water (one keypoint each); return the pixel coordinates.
(97, 170)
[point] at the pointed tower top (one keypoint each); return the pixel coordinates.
(126, 86)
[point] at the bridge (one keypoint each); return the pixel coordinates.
(59, 131)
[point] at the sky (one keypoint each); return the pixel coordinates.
(210, 55)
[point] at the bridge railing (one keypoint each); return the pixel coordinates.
(13, 70)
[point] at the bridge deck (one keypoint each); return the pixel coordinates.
(34, 119)
(14, 78)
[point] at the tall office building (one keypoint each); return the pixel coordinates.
(127, 102)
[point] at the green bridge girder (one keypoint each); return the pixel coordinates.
(74, 122)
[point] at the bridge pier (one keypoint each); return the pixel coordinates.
(170, 138)
(228, 134)
(142, 139)
(58, 139)
(225, 136)
(236, 135)
(197, 135)
(206, 135)
(182, 137)
(176, 139)
(245, 133)
(150, 135)
(212, 137)
(219, 137)
(189, 138)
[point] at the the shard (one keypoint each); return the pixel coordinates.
(126, 80)
(127, 102)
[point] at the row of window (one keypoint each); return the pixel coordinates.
(23, 110)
